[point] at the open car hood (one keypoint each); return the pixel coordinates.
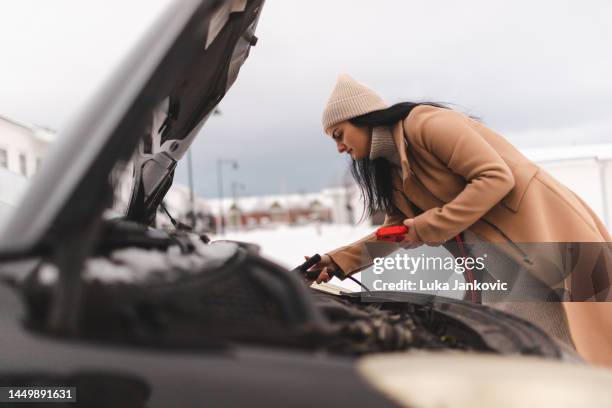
(149, 111)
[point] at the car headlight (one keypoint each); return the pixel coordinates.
(471, 380)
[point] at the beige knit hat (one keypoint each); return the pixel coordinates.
(348, 100)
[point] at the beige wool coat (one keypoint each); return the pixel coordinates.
(465, 176)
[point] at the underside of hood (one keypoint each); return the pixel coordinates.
(178, 118)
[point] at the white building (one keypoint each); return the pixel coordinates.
(22, 147)
(337, 205)
(584, 169)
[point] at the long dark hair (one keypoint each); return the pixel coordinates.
(374, 176)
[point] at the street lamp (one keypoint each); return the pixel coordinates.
(220, 163)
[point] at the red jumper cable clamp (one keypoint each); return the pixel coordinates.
(392, 234)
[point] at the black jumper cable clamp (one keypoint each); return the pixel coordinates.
(309, 276)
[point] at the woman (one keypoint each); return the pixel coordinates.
(444, 174)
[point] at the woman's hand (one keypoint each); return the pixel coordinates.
(411, 239)
(325, 266)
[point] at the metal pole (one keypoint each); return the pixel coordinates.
(220, 186)
(191, 194)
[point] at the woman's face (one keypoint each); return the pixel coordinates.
(351, 139)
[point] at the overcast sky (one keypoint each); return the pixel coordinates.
(538, 72)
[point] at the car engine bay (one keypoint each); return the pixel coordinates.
(174, 290)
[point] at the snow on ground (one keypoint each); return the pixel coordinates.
(287, 245)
